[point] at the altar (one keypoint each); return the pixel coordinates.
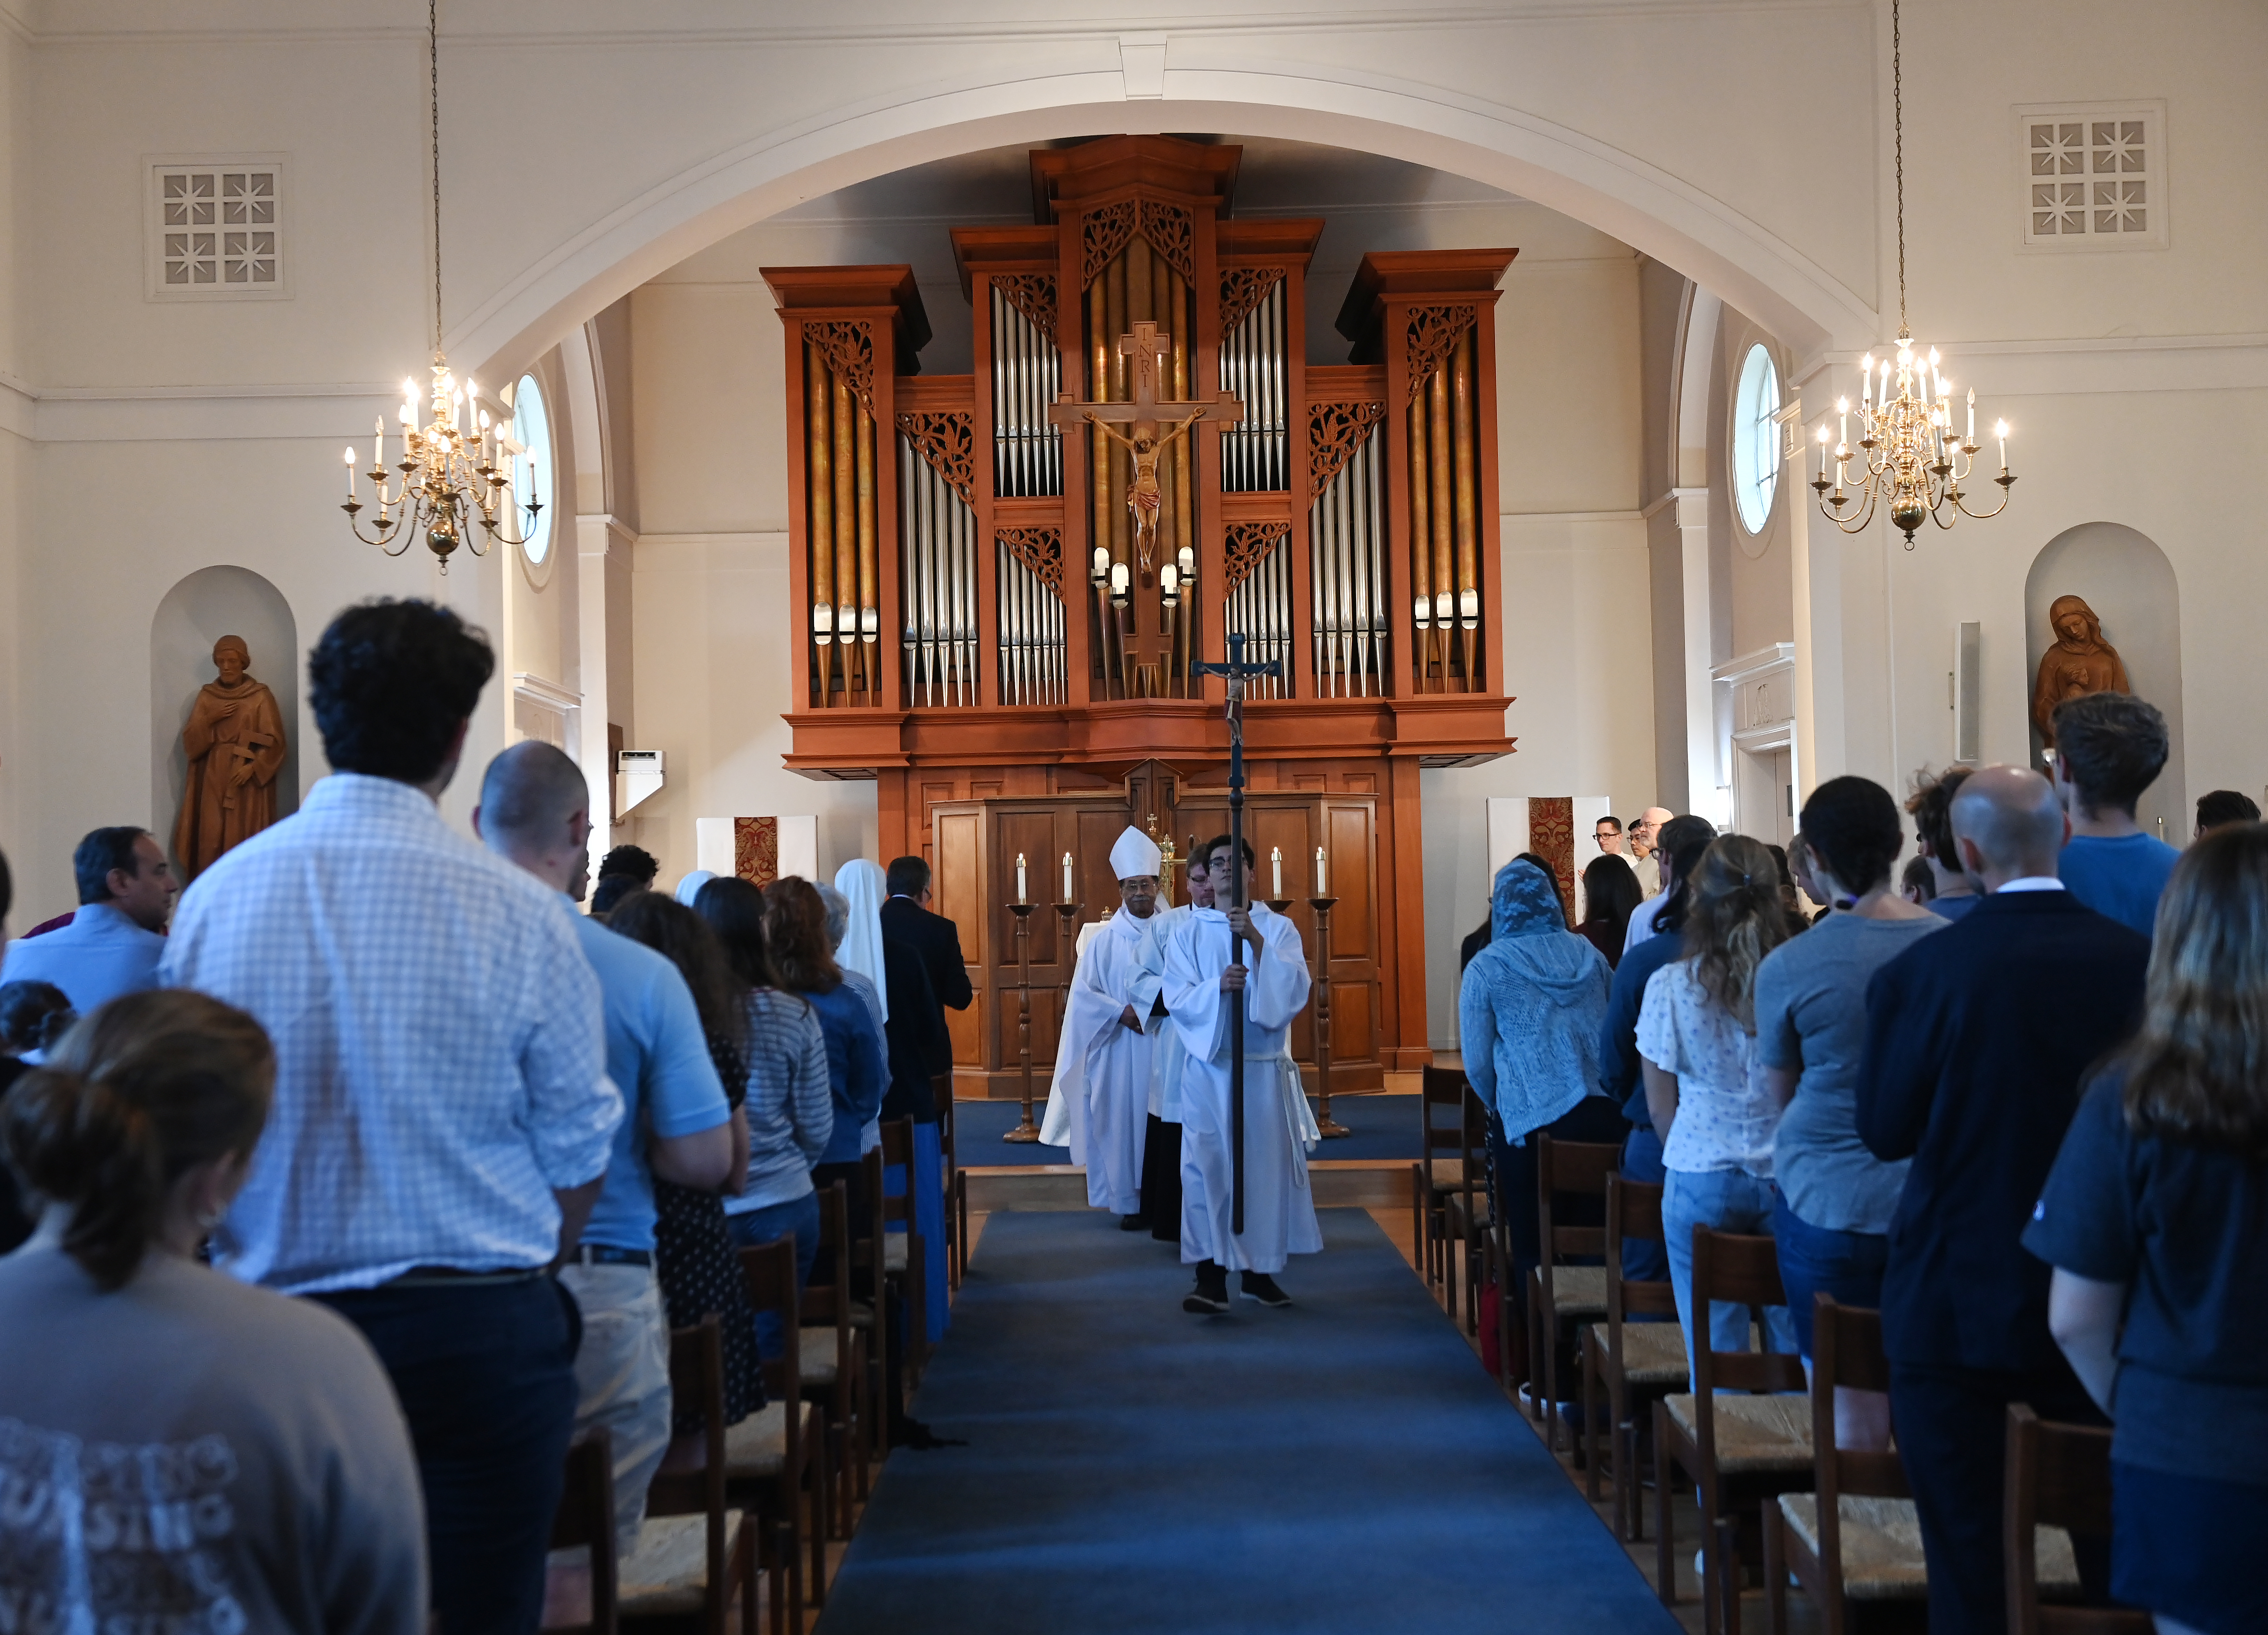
(1003, 583)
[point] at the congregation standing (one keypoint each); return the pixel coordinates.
(2011, 1097)
(346, 1202)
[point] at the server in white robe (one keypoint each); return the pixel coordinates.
(1279, 1211)
(1099, 1105)
(1161, 1149)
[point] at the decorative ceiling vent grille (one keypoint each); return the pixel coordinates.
(214, 228)
(2094, 175)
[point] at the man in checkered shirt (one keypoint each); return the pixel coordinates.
(443, 1117)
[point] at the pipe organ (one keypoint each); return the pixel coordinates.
(1048, 582)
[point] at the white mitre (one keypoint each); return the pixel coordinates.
(1136, 856)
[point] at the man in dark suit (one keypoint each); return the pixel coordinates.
(906, 918)
(1977, 1042)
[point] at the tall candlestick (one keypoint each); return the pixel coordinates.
(1275, 865)
(1067, 888)
(1320, 873)
(1020, 897)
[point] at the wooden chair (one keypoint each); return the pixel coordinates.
(583, 1542)
(1564, 1297)
(1468, 1216)
(956, 1184)
(1854, 1542)
(1431, 1188)
(833, 1357)
(1739, 1450)
(2058, 1484)
(1633, 1363)
(775, 1457)
(902, 1252)
(693, 1550)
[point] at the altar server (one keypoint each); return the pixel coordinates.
(1270, 969)
(1101, 1099)
(1162, 1147)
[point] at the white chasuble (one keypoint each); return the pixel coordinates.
(1279, 1211)
(1100, 1101)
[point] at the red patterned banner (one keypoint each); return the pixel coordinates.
(755, 848)
(1552, 836)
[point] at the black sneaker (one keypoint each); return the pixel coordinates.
(1133, 1223)
(1258, 1286)
(1210, 1296)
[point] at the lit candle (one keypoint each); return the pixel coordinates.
(1067, 887)
(1320, 872)
(1822, 453)
(2000, 431)
(1866, 381)
(377, 447)
(349, 471)
(1275, 867)
(1020, 877)
(1972, 438)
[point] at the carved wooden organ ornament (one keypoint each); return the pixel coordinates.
(999, 593)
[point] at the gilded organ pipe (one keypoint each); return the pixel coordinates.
(1440, 462)
(1421, 543)
(846, 532)
(869, 563)
(819, 458)
(1468, 564)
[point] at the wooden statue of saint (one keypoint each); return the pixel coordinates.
(235, 743)
(2079, 663)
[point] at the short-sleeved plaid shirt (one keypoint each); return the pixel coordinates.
(440, 1042)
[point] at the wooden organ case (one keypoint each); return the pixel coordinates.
(983, 624)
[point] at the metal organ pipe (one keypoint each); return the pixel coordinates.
(1255, 451)
(1027, 371)
(1346, 535)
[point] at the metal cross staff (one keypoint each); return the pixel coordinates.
(1236, 672)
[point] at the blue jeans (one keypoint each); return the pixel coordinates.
(1725, 1200)
(769, 1224)
(1644, 1261)
(1847, 1266)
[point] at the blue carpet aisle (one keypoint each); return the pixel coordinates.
(1384, 1127)
(1344, 1465)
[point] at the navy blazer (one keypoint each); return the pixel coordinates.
(1979, 1040)
(938, 940)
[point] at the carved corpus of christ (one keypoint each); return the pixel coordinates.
(1144, 350)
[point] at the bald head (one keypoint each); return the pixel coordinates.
(2007, 824)
(535, 810)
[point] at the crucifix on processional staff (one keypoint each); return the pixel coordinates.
(1147, 426)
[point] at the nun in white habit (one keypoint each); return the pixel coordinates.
(1099, 1105)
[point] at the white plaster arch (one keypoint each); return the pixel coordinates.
(1579, 176)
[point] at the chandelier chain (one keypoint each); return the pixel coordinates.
(1897, 148)
(434, 103)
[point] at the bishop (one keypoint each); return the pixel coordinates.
(1099, 1105)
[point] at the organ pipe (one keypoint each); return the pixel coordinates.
(1467, 565)
(1346, 544)
(937, 549)
(1255, 451)
(1027, 374)
(818, 459)
(1031, 622)
(1260, 610)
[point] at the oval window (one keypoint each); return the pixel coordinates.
(530, 429)
(1756, 447)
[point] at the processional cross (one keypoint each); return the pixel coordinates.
(1141, 415)
(1236, 672)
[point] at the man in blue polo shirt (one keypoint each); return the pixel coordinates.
(534, 811)
(2108, 748)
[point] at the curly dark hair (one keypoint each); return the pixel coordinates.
(1931, 808)
(629, 863)
(2112, 746)
(391, 681)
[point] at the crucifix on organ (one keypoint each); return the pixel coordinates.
(1005, 584)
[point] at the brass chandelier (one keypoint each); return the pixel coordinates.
(454, 474)
(1912, 460)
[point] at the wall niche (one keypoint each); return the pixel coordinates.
(209, 604)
